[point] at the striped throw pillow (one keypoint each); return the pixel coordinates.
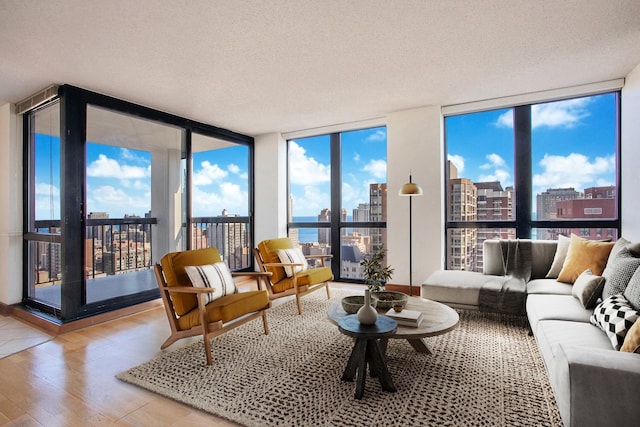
(293, 256)
(215, 276)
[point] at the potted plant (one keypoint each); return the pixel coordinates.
(375, 275)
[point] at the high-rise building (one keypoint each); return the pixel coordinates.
(378, 212)
(546, 207)
(324, 234)
(493, 204)
(230, 238)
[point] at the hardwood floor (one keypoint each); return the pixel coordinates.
(70, 380)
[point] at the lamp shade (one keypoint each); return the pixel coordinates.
(411, 189)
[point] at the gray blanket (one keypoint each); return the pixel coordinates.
(508, 293)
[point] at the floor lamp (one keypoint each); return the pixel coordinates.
(410, 189)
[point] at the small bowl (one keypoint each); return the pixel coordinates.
(398, 308)
(352, 304)
(384, 300)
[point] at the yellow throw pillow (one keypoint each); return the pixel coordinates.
(632, 339)
(584, 255)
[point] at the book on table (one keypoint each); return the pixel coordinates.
(406, 317)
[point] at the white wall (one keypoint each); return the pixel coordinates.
(11, 213)
(630, 156)
(270, 187)
(414, 143)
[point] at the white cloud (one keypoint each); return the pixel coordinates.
(117, 202)
(499, 171)
(305, 170)
(208, 174)
(377, 168)
(495, 161)
(104, 167)
(379, 135)
(458, 162)
(498, 175)
(233, 168)
(575, 170)
(564, 114)
(127, 154)
(310, 202)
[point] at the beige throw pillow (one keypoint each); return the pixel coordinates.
(558, 259)
(584, 255)
(632, 339)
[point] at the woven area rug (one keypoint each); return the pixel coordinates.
(486, 372)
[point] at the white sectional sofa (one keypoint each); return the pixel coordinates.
(594, 384)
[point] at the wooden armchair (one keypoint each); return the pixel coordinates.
(284, 279)
(186, 305)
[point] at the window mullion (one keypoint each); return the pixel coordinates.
(522, 170)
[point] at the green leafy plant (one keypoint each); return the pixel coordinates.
(375, 274)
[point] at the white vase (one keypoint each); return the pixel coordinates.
(367, 315)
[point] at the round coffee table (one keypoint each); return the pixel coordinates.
(437, 319)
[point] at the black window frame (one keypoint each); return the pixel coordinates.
(74, 102)
(523, 177)
(335, 223)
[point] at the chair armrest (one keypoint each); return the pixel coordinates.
(281, 264)
(319, 256)
(188, 289)
(251, 273)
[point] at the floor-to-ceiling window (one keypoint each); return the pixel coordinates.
(220, 199)
(337, 196)
(531, 171)
(111, 187)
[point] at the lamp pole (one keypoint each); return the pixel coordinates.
(410, 243)
(410, 190)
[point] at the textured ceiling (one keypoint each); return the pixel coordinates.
(264, 66)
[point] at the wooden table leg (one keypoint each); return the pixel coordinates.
(378, 365)
(420, 345)
(357, 354)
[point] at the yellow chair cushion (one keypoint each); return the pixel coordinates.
(269, 251)
(305, 278)
(227, 308)
(173, 265)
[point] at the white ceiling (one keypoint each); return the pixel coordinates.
(278, 66)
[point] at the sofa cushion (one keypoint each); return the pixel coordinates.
(558, 260)
(548, 286)
(555, 307)
(614, 316)
(455, 287)
(293, 256)
(632, 291)
(584, 254)
(213, 276)
(551, 334)
(588, 288)
(618, 272)
(631, 342)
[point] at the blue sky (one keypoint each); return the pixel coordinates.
(573, 144)
(364, 154)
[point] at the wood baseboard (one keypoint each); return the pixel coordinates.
(52, 327)
(403, 288)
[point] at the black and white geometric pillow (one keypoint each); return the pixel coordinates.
(614, 316)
